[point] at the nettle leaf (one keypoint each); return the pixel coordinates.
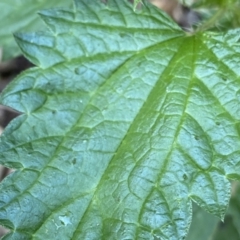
(125, 121)
(19, 15)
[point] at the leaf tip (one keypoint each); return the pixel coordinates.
(23, 40)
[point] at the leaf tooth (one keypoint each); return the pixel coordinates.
(39, 48)
(6, 222)
(211, 191)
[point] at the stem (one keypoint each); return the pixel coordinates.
(211, 21)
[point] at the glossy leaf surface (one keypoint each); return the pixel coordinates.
(125, 120)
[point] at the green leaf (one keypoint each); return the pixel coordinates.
(226, 230)
(230, 227)
(126, 120)
(234, 208)
(221, 3)
(19, 15)
(203, 224)
(207, 226)
(218, 15)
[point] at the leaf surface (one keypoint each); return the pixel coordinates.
(125, 120)
(19, 15)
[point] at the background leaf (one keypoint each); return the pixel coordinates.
(218, 15)
(203, 224)
(230, 227)
(207, 226)
(21, 15)
(126, 120)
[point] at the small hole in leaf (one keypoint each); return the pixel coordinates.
(79, 71)
(123, 35)
(196, 137)
(74, 161)
(76, 70)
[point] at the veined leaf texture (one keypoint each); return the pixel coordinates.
(126, 119)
